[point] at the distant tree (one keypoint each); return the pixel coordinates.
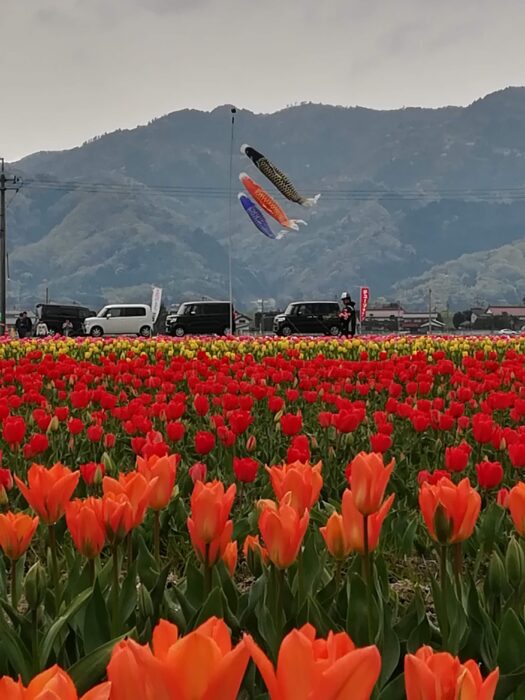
(460, 317)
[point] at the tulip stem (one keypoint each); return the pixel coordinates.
(92, 570)
(130, 550)
(14, 599)
(444, 576)
(207, 572)
(458, 561)
(156, 535)
(337, 577)
(54, 559)
(278, 601)
(34, 633)
(368, 579)
(115, 591)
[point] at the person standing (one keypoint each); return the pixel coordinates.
(67, 328)
(347, 316)
(41, 330)
(23, 325)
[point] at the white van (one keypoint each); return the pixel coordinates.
(121, 319)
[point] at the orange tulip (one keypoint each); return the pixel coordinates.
(210, 509)
(16, 532)
(353, 523)
(49, 490)
(53, 684)
(164, 469)
(136, 487)
(368, 480)
(430, 676)
(450, 511)
(311, 669)
(302, 480)
(85, 522)
(283, 530)
(335, 537)
(202, 665)
(209, 527)
(118, 515)
(252, 544)
(135, 673)
(229, 556)
(517, 507)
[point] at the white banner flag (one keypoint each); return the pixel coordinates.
(156, 297)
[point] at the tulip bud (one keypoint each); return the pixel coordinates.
(515, 563)
(145, 604)
(35, 585)
(496, 577)
(503, 444)
(4, 498)
(348, 439)
(277, 418)
(313, 443)
(251, 443)
(442, 525)
(53, 425)
(331, 452)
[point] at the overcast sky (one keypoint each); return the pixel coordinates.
(72, 69)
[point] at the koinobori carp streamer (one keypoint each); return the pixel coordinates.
(268, 203)
(276, 177)
(257, 217)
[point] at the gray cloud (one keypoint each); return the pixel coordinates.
(76, 68)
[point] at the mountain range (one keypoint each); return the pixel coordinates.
(411, 199)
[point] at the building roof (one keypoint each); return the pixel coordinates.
(510, 310)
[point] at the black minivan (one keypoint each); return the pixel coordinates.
(54, 316)
(309, 318)
(200, 318)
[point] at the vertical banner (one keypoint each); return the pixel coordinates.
(156, 297)
(365, 296)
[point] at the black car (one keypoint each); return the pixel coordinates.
(309, 318)
(54, 316)
(201, 318)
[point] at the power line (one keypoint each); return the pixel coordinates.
(208, 192)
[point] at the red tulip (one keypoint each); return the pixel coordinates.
(517, 454)
(291, 423)
(14, 430)
(456, 458)
(204, 442)
(490, 474)
(198, 472)
(92, 473)
(245, 469)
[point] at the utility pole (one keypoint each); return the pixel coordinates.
(429, 311)
(4, 181)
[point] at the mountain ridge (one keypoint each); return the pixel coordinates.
(153, 208)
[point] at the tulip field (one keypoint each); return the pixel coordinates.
(250, 518)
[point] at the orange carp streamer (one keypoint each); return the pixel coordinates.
(268, 203)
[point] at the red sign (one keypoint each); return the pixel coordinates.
(365, 296)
